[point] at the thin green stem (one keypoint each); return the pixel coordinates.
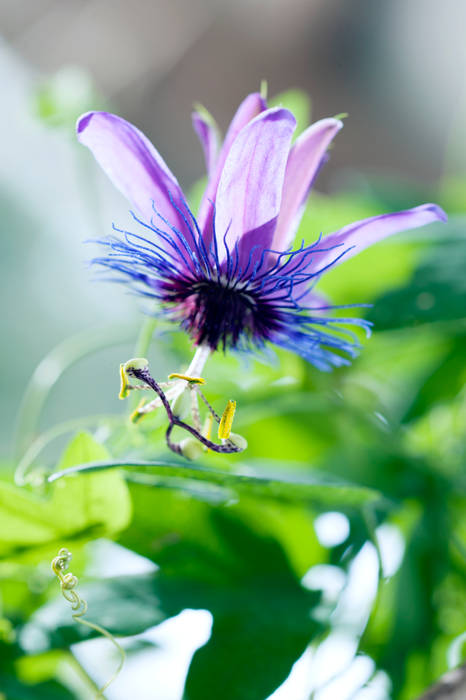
(51, 369)
(111, 638)
(82, 674)
(141, 348)
(145, 336)
(43, 440)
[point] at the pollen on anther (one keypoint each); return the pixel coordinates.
(187, 378)
(224, 428)
(124, 390)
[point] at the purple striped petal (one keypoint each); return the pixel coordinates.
(251, 107)
(208, 136)
(250, 188)
(303, 165)
(362, 234)
(135, 168)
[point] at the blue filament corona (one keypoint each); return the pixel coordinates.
(232, 300)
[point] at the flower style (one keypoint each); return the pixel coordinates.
(230, 277)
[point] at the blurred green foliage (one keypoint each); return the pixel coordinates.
(382, 442)
(61, 98)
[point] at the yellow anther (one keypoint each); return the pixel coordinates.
(187, 378)
(135, 363)
(207, 427)
(124, 390)
(224, 428)
(136, 416)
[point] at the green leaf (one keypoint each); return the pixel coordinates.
(436, 292)
(443, 383)
(12, 689)
(262, 620)
(181, 517)
(98, 502)
(319, 490)
(82, 448)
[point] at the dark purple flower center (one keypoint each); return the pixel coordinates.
(232, 301)
(220, 314)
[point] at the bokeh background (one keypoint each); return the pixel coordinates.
(394, 421)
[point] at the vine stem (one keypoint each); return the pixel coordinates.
(145, 336)
(22, 473)
(49, 372)
(142, 345)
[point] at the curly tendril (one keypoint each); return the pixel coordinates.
(68, 583)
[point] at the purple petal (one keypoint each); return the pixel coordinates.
(135, 168)
(250, 188)
(317, 301)
(207, 134)
(362, 234)
(304, 162)
(251, 107)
